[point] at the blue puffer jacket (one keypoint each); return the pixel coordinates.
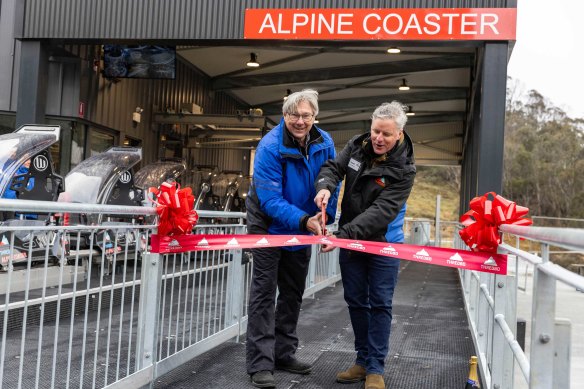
(282, 190)
(395, 229)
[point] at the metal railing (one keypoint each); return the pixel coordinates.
(94, 308)
(491, 303)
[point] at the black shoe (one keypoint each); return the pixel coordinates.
(293, 365)
(263, 379)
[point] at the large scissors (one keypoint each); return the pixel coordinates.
(323, 218)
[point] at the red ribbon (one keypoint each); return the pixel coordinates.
(175, 209)
(481, 232)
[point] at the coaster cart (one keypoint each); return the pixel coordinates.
(154, 174)
(206, 195)
(105, 178)
(242, 192)
(228, 183)
(165, 170)
(29, 145)
(235, 186)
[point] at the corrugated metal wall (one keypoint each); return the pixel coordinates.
(10, 49)
(111, 104)
(224, 158)
(184, 19)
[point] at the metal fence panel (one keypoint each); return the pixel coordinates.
(90, 306)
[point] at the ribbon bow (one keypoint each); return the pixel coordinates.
(481, 232)
(175, 209)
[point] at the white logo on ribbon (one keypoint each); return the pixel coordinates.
(203, 242)
(389, 250)
(456, 260)
(325, 241)
(232, 242)
(490, 262)
(262, 242)
(125, 177)
(423, 255)
(173, 243)
(41, 163)
(293, 240)
(356, 245)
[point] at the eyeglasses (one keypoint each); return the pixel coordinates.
(305, 117)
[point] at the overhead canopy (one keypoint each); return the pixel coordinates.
(352, 79)
(456, 68)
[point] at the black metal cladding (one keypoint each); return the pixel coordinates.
(183, 19)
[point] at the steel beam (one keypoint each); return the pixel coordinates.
(376, 69)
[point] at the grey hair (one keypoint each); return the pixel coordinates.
(308, 95)
(394, 110)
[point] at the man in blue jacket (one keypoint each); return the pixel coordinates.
(280, 202)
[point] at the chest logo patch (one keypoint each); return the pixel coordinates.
(380, 181)
(355, 165)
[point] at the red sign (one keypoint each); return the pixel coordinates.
(382, 24)
(81, 109)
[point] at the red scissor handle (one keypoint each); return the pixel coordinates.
(323, 221)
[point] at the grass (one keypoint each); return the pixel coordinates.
(422, 201)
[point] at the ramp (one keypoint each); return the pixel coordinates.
(430, 342)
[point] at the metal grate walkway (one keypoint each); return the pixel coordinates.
(430, 341)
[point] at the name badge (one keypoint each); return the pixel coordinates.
(355, 165)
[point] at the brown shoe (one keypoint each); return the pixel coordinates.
(374, 381)
(355, 373)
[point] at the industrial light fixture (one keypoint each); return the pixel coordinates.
(288, 93)
(394, 50)
(253, 60)
(410, 111)
(404, 85)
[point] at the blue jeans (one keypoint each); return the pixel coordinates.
(369, 281)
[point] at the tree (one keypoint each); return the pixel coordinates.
(544, 152)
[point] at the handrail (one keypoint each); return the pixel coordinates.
(491, 310)
(53, 207)
(514, 345)
(570, 238)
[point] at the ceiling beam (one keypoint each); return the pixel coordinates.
(333, 73)
(244, 121)
(358, 103)
(365, 125)
(222, 134)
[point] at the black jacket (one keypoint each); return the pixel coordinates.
(374, 192)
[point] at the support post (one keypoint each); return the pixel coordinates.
(542, 327)
(150, 295)
(32, 83)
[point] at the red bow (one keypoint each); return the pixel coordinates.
(175, 209)
(481, 232)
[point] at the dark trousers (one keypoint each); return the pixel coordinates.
(369, 281)
(271, 330)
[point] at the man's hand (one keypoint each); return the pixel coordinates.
(313, 224)
(322, 198)
(325, 248)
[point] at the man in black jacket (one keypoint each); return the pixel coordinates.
(378, 168)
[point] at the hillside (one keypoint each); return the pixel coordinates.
(430, 182)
